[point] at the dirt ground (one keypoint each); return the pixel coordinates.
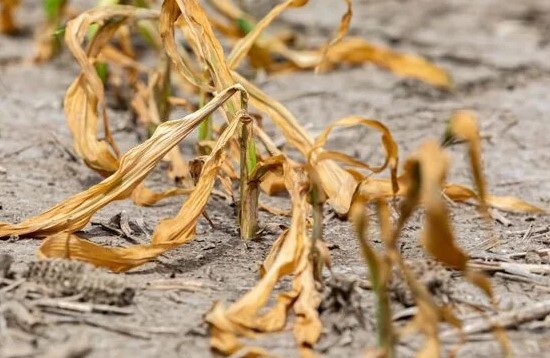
(497, 52)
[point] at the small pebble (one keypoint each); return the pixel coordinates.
(209, 246)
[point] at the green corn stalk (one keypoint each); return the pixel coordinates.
(205, 128)
(54, 10)
(378, 267)
(317, 200)
(248, 216)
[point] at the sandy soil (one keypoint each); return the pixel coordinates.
(497, 52)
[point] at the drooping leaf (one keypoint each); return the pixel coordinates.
(169, 233)
(73, 213)
(85, 105)
(290, 255)
(389, 144)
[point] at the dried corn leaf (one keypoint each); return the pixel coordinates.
(389, 144)
(425, 177)
(307, 325)
(73, 213)
(207, 47)
(339, 50)
(382, 188)
(463, 126)
(152, 106)
(460, 193)
(85, 99)
(169, 233)
(7, 9)
(437, 237)
(143, 196)
(356, 51)
(178, 169)
(259, 48)
(289, 255)
(429, 314)
(113, 55)
(270, 175)
(245, 311)
(48, 43)
(229, 9)
(184, 65)
(342, 31)
(243, 46)
(338, 184)
(272, 184)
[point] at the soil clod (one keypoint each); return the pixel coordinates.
(429, 273)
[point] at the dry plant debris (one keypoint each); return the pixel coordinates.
(68, 278)
(101, 41)
(74, 278)
(52, 290)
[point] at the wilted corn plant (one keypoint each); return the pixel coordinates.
(205, 72)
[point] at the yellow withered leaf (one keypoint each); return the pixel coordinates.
(272, 184)
(184, 65)
(168, 234)
(152, 107)
(307, 326)
(429, 314)
(338, 184)
(342, 31)
(338, 50)
(208, 48)
(143, 196)
(111, 54)
(460, 193)
(289, 255)
(389, 144)
(229, 9)
(463, 126)
(7, 9)
(84, 103)
(374, 188)
(47, 45)
(178, 169)
(424, 178)
(357, 51)
(243, 46)
(380, 266)
(74, 213)
(438, 238)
